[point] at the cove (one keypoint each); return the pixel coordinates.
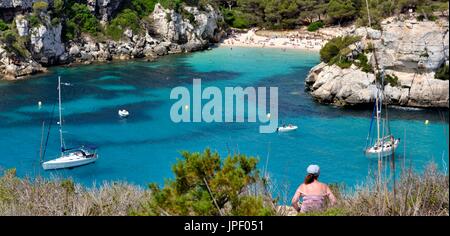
(233, 112)
(142, 148)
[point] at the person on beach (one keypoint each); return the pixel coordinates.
(313, 192)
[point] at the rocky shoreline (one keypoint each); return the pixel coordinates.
(169, 33)
(410, 52)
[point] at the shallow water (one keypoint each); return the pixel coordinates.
(142, 148)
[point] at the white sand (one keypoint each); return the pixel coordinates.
(250, 39)
(296, 39)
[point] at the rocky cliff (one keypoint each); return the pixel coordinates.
(408, 50)
(168, 32)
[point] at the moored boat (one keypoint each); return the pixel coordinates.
(287, 128)
(69, 158)
(123, 113)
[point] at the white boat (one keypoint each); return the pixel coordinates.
(69, 158)
(384, 143)
(123, 113)
(386, 147)
(73, 158)
(287, 128)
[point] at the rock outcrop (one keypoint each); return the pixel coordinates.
(11, 68)
(351, 86)
(411, 45)
(106, 8)
(174, 34)
(408, 50)
(331, 84)
(23, 4)
(46, 45)
(191, 36)
(165, 35)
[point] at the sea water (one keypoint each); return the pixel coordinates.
(142, 148)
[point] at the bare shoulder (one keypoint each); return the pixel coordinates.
(324, 186)
(301, 187)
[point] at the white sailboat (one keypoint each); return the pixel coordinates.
(71, 157)
(385, 143)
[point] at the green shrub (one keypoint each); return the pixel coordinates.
(80, 20)
(343, 63)
(392, 80)
(8, 37)
(328, 52)
(426, 12)
(3, 25)
(55, 21)
(238, 19)
(40, 6)
(315, 26)
(126, 19)
(143, 7)
(336, 50)
(171, 4)
(14, 43)
(82, 16)
(58, 6)
(442, 73)
(34, 20)
(204, 183)
(69, 30)
(363, 63)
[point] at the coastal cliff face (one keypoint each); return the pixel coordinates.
(167, 32)
(408, 50)
(351, 86)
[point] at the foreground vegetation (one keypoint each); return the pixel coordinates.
(206, 184)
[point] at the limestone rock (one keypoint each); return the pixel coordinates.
(22, 4)
(348, 87)
(46, 42)
(171, 26)
(106, 8)
(22, 25)
(410, 46)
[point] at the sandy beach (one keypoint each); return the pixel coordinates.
(293, 39)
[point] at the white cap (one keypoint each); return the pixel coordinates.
(313, 169)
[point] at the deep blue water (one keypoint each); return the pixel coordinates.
(142, 148)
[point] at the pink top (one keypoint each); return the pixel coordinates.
(311, 202)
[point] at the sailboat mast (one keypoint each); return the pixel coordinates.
(60, 115)
(42, 143)
(377, 102)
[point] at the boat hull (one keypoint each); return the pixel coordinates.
(68, 162)
(287, 129)
(384, 151)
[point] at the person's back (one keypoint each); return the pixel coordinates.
(313, 192)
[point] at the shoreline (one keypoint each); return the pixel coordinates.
(223, 45)
(295, 41)
(153, 59)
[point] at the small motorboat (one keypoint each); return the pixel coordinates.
(287, 128)
(123, 113)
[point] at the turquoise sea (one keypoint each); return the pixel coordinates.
(142, 148)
